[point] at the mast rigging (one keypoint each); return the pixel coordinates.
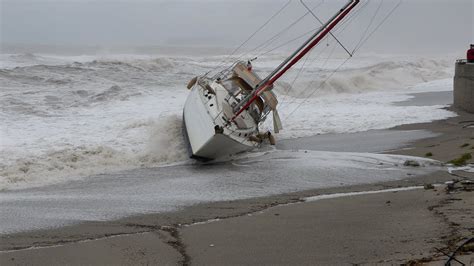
(294, 58)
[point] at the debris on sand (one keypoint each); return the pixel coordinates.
(428, 186)
(467, 185)
(450, 185)
(419, 261)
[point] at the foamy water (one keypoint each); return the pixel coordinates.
(63, 118)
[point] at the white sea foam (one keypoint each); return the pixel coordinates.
(468, 168)
(354, 112)
(66, 117)
(162, 144)
(386, 75)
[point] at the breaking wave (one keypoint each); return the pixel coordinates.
(162, 144)
(46, 89)
(380, 76)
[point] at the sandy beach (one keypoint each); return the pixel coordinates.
(406, 222)
(392, 227)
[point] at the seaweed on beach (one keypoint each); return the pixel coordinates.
(462, 160)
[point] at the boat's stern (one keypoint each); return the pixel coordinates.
(204, 125)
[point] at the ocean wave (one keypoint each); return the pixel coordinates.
(380, 76)
(27, 62)
(77, 119)
(163, 144)
(25, 57)
(114, 92)
(84, 84)
(151, 65)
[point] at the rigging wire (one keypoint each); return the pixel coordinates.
(345, 23)
(322, 83)
(313, 80)
(298, 74)
(368, 27)
(253, 34)
(322, 23)
(284, 100)
(315, 29)
(264, 44)
(381, 23)
(345, 61)
(269, 41)
(288, 42)
(339, 29)
(310, 11)
(294, 80)
(276, 36)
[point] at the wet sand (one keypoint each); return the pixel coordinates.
(72, 242)
(455, 139)
(134, 249)
(392, 227)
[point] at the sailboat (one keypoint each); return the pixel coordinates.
(222, 113)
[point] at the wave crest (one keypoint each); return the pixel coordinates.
(163, 144)
(383, 75)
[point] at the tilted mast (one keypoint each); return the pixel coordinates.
(295, 57)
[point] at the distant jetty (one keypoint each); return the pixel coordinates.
(464, 82)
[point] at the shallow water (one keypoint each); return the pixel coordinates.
(111, 196)
(368, 141)
(429, 99)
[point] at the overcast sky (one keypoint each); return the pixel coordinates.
(417, 25)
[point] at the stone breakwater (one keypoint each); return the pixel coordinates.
(464, 86)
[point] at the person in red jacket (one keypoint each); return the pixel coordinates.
(470, 54)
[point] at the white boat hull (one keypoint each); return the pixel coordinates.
(204, 142)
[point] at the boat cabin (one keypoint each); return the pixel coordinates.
(241, 82)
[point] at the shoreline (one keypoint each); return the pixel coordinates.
(166, 238)
(30, 246)
(203, 212)
(161, 235)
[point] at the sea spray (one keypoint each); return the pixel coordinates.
(164, 145)
(166, 142)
